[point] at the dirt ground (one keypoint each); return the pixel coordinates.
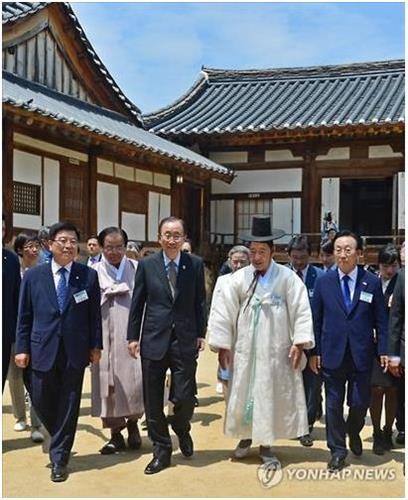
(209, 473)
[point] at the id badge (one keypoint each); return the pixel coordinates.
(366, 297)
(81, 296)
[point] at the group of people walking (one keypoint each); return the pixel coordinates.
(281, 332)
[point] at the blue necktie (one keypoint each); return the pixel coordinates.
(62, 288)
(346, 292)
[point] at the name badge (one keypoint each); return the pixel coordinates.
(366, 297)
(81, 296)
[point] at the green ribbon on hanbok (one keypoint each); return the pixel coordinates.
(249, 404)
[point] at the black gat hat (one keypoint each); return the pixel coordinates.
(262, 231)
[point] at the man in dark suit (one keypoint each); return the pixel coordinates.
(299, 251)
(58, 333)
(396, 348)
(94, 251)
(167, 325)
(11, 288)
(348, 305)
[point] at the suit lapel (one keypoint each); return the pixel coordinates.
(183, 272)
(159, 258)
(360, 285)
(49, 285)
(337, 290)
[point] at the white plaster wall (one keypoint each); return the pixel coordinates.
(226, 157)
(384, 151)
(279, 155)
(153, 216)
(222, 219)
(51, 191)
(165, 206)
(134, 225)
(261, 181)
(286, 216)
(104, 166)
(107, 205)
(331, 197)
(47, 146)
(335, 154)
(162, 180)
(124, 172)
(144, 176)
(27, 221)
(26, 167)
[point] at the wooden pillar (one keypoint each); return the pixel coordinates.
(177, 192)
(311, 195)
(8, 177)
(92, 193)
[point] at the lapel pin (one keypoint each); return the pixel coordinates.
(364, 283)
(77, 277)
(183, 267)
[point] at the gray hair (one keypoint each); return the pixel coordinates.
(239, 249)
(44, 233)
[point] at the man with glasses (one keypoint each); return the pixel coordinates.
(58, 334)
(348, 305)
(166, 328)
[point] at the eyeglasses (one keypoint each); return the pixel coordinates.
(118, 249)
(172, 236)
(347, 251)
(66, 241)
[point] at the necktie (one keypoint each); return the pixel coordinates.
(172, 275)
(62, 288)
(346, 292)
(300, 274)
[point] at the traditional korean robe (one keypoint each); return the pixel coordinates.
(117, 380)
(266, 399)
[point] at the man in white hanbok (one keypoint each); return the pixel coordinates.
(260, 325)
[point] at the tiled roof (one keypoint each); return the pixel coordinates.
(224, 101)
(14, 11)
(41, 100)
(11, 11)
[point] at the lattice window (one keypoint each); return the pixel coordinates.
(247, 208)
(26, 198)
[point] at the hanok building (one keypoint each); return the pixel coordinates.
(302, 141)
(74, 146)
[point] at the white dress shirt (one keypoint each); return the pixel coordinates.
(55, 268)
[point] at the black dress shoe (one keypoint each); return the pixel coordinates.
(306, 440)
(186, 445)
(156, 466)
(356, 446)
(59, 473)
(115, 444)
(336, 464)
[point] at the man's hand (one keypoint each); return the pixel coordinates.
(224, 358)
(134, 348)
(295, 355)
(384, 363)
(200, 344)
(22, 360)
(314, 364)
(95, 356)
(394, 368)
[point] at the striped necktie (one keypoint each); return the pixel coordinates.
(62, 288)
(172, 275)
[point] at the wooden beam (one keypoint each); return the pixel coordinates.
(8, 177)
